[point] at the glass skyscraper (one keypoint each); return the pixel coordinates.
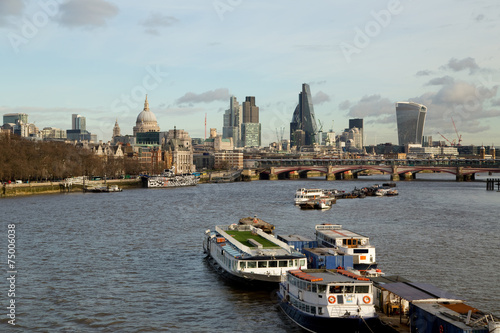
(411, 120)
(303, 120)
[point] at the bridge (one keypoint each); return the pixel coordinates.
(463, 169)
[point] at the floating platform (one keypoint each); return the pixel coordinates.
(258, 223)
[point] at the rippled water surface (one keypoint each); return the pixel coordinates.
(133, 261)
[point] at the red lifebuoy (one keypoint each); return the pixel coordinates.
(332, 299)
(367, 299)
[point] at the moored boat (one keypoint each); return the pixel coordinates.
(348, 242)
(245, 254)
(317, 204)
(304, 195)
(168, 178)
(321, 300)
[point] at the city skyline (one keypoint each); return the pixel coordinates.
(99, 58)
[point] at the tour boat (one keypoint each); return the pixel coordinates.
(321, 300)
(348, 242)
(168, 178)
(316, 204)
(248, 255)
(304, 195)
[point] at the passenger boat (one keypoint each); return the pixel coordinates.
(245, 254)
(102, 189)
(304, 194)
(168, 178)
(348, 242)
(316, 204)
(321, 300)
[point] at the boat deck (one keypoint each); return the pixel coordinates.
(244, 238)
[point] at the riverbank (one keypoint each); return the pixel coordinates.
(26, 189)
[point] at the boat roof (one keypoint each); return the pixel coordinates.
(335, 231)
(416, 291)
(278, 250)
(295, 238)
(327, 276)
(325, 251)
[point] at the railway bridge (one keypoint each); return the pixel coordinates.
(463, 169)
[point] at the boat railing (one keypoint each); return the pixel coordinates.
(222, 230)
(328, 226)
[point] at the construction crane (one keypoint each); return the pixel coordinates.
(458, 136)
(451, 143)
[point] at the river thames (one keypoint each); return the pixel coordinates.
(133, 261)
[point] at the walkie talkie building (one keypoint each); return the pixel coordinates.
(411, 120)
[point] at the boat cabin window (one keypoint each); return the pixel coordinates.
(336, 289)
(320, 310)
(321, 288)
(273, 263)
(362, 289)
(313, 287)
(313, 309)
(349, 289)
(351, 242)
(243, 265)
(283, 263)
(290, 263)
(262, 264)
(251, 264)
(302, 262)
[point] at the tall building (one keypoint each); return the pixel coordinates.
(78, 122)
(233, 118)
(358, 123)
(303, 120)
(411, 120)
(13, 118)
(250, 129)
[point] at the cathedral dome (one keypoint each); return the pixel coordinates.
(146, 116)
(146, 120)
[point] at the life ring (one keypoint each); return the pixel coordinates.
(331, 299)
(367, 299)
(441, 329)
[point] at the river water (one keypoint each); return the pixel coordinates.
(133, 261)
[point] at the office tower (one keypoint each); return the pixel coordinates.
(233, 118)
(250, 110)
(303, 119)
(250, 129)
(78, 122)
(358, 123)
(13, 118)
(411, 120)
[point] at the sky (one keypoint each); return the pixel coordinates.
(99, 58)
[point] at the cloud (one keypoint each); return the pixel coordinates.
(458, 65)
(424, 73)
(88, 13)
(320, 98)
(157, 20)
(440, 81)
(10, 8)
(344, 105)
(221, 94)
(479, 18)
(370, 106)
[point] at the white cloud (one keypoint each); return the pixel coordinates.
(88, 13)
(221, 94)
(320, 98)
(156, 21)
(458, 65)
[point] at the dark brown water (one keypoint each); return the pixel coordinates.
(133, 261)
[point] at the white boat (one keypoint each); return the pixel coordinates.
(304, 194)
(348, 242)
(316, 204)
(248, 255)
(168, 178)
(321, 300)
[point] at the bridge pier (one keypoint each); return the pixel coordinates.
(459, 175)
(395, 174)
(273, 175)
